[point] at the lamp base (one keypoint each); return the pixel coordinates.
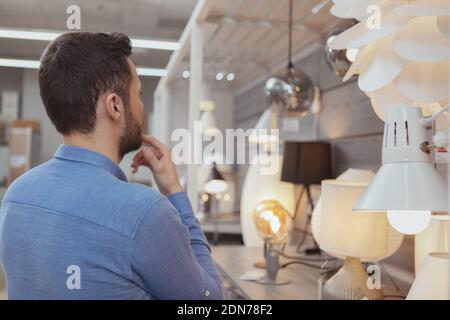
(279, 281)
(350, 283)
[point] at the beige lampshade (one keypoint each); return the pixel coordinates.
(432, 279)
(394, 238)
(349, 233)
(433, 239)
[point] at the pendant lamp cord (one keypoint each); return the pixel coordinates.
(291, 5)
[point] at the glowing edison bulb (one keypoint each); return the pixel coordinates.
(409, 222)
(272, 221)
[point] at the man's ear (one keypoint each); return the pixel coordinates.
(113, 106)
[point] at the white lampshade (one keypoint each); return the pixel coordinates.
(215, 183)
(423, 8)
(383, 66)
(426, 82)
(394, 238)
(433, 239)
(422, 41)
(349, 233)
(389, 97)
(361, 34)
(407, 186)
(263, 131)
(431, 282)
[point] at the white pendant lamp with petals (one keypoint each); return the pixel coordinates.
(405, 60)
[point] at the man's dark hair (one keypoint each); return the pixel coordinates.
(78, 67)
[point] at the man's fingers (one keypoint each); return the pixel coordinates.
(155, 143)
(137, 157)
(150, 156)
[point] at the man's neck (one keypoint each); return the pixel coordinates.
(105, 147)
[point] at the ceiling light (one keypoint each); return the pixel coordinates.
(219, 76)
(34, 64)
(151, 72)
(16, 63)
(155, 44)
(49, 36)
(231, 76)
(186, 74)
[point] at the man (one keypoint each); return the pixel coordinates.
(73, 227)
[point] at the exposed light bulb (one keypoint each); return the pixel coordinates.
(351, 54)
(231, 76)
(219, 76)
(409, 222)
(186, 74)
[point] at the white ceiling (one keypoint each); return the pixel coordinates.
(250, 37)
(161, 19)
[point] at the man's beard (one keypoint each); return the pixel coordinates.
(131, 138)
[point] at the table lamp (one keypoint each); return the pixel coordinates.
(431, 282)
(274, 224)
(215, 183)
(307, 163)
(352, 235)
(394, 238)
(433, 239)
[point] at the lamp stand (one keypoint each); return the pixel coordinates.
(272, 255)
(350, 283)
(214, 209)
(315, 249)
(262, 263)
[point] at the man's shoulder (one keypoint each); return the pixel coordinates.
(103, 199)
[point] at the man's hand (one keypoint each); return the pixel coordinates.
(157, 157)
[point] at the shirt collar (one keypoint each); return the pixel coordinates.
(91, 157)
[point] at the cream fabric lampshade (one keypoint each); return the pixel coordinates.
(432, 280)
(346, 232)
(394, 238)
(433, 239)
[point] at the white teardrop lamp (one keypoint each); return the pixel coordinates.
(259, 187)
(407, 186)
(266, 130)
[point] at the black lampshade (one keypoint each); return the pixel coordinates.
(306, 163)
